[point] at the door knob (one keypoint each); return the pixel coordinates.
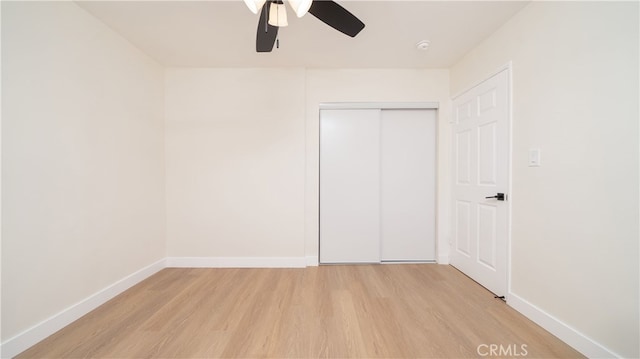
(498, 196)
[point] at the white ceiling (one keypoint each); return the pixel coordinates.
(222, 33)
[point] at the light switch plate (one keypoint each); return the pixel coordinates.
(534, 157)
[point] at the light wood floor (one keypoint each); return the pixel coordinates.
(368, 311)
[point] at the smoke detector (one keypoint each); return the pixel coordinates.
(423, 45)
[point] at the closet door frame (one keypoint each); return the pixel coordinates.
(379, 106)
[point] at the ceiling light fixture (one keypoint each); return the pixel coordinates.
(274, 15)
(300, 7)
(278, 14)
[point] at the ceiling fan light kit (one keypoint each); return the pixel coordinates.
(301, 7)
(278, 14)
(273, 15)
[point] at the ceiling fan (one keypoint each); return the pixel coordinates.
(274, 15)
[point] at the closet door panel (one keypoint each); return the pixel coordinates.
(408, 162)
(350, 186)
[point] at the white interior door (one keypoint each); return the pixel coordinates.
(350, 186)
(407, 185)
(481, 169)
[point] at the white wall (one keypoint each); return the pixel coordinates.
(0, 180)
(235, 162)
(375, 85)
(575, 219)
(82, 157)
(242, 153)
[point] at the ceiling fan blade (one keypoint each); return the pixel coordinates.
(336, 16)
(266, 34)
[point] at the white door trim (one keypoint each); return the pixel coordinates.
(379, 105)
(508, 67)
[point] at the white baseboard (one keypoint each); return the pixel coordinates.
(572, 337)
(23, 341)
(236, 262)
(312, 261)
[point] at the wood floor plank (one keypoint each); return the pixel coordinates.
(363, 311)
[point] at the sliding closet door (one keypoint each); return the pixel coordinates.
(350, 186)
(407, 185)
